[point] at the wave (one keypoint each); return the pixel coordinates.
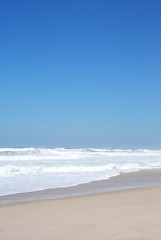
(31, 169)
(16, 170)
(69, 154)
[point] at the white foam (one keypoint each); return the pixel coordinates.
(29, 169)
(61, 153)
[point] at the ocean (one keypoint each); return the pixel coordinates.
(32, 169)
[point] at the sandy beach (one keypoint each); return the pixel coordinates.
(125, 215)
(120, 215)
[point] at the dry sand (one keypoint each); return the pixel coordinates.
(125, 215)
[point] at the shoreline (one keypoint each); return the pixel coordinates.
(121, 215)
(132, 211)
(124, 181)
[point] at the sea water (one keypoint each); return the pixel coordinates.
(31, 169)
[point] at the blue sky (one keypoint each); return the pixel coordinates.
(80, 73)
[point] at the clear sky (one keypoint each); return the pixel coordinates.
(80, 73)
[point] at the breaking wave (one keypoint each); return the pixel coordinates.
(30, 169)
(62, 153)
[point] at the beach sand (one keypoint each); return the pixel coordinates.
(121, 215)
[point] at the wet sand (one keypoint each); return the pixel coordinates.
(125, 215)
(122, 182)
(131, 214)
